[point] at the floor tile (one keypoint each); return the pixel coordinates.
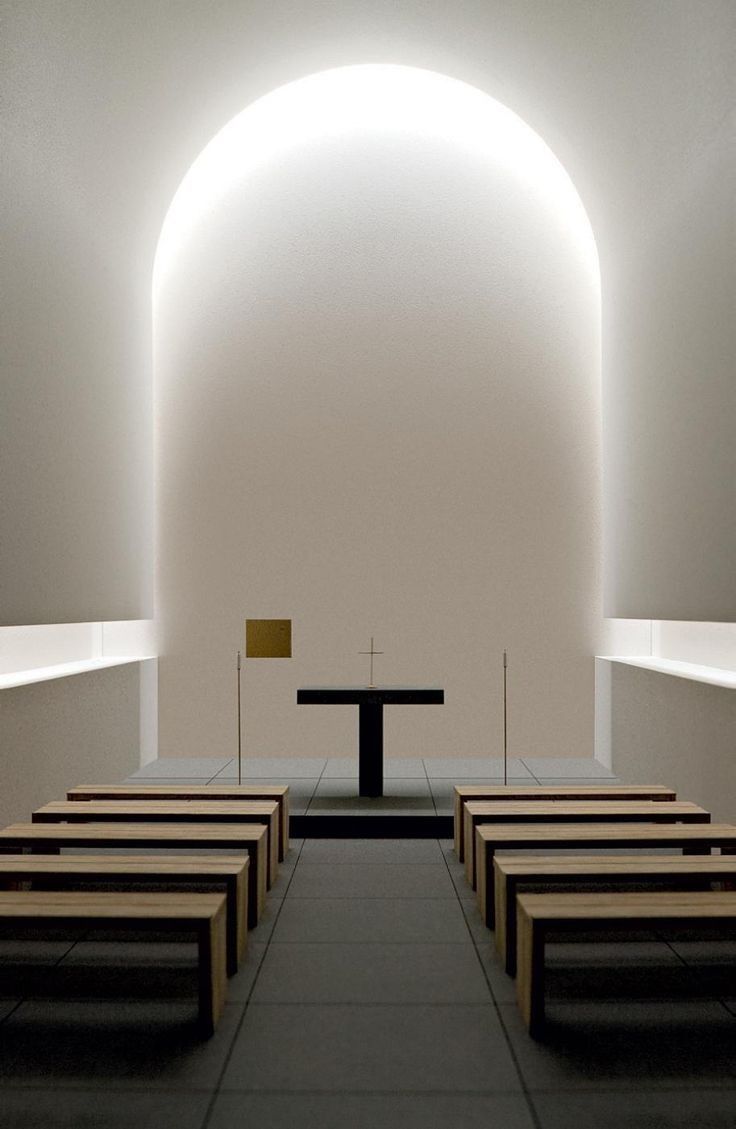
(345, 920)
(366, 1111)
(280, 887)
(706, 952)
(573, 780)
(314, 1048)
(299, 787)
(392, 786)
(240, 986)
(394, 767)
(481, 769)
(502, 986)
(290, 768)
(632, 969)
(477, 928)
(638, 1109)
(369, 851)
(443, 787)
(183, 767)
(351, 880)
(34, 950)
(73, 1043)
(371, 974)
(195, 781)
(6, 1007)
(268, 919)
(101, 1109)
(562, 768)
(653, 1044)
(105, 968)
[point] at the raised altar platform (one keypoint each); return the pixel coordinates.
(417, 800)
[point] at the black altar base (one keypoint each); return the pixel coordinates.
(417, 792)
(370, 701)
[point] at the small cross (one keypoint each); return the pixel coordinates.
(371, 653)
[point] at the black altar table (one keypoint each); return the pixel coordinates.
(370, 701)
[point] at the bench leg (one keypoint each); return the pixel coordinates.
(485, 892)
(212, 972)
(256, 882)
(273, 849)
(530, 972)
(506, 922)
(468, 834)
(457, 824)
(284, 824)
(237, 921)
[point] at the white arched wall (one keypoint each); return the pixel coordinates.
(377, 402)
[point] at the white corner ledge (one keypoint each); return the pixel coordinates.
(713, 675)
(64, 670)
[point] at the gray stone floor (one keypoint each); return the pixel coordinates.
(412, 785)
(371, 995)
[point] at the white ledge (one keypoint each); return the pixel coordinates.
(713, 675)
(64, 670)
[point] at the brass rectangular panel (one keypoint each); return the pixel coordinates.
(268, 638)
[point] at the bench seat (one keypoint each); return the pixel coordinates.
(697, 839)
(497, 792)
(48, 838)
(60, 871)
(276, 792)
(568, 811)
(541, 914)
(203, 914)
(170, 811)
(513, 873)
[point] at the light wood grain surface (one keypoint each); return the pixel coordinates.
(205, 913)
(548, 811)
(513, 873)
(489, 838)
(277, 792)
(538, 914)
(465, 792)
(125, 870)
(174, 811)
(251, 838)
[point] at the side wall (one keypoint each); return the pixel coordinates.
(69, 731)
(377, 394)
(668, 730)
(104, 108)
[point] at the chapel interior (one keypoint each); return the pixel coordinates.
(405, 329)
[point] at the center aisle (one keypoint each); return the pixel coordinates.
(369, 1000)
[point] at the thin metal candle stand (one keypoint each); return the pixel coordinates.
(505, 723)
(240, 732)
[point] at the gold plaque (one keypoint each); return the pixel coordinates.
(268, 638)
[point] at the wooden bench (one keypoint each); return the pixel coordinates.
(203, 914)
(59, 871)
(568, 811)
(690, 838)
(475, 792)
(541, 914)
(279, 793)
(514, 872)
(170, 811)
(45, 838)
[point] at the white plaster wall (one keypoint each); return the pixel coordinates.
(377, 408)
(669, 730)
(69, 731)
(104, 108)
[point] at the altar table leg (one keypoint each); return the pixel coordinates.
(370, 749)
